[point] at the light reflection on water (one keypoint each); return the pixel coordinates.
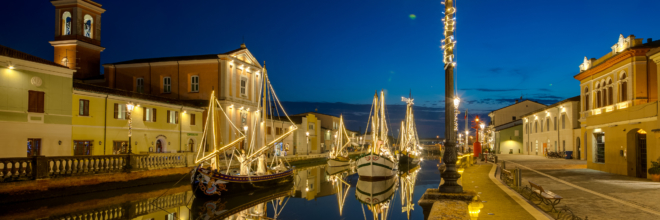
(319, 192)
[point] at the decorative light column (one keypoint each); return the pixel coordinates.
(307, 134)
(451, 175)
(129, 110)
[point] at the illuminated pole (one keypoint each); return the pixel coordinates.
(451, 175)
(129, 108)
(307, 134)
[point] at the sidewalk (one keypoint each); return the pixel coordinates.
(590, 193)
(498, 204)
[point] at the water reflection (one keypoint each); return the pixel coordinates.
(318, 192)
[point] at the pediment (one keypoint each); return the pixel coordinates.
(245, 55)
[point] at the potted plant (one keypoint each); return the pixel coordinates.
(654, 171)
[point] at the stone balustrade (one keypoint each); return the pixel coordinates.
(42, 167)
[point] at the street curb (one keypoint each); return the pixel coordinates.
(538, 214)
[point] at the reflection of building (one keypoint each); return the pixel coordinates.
(618, 116)
(160, 125)
(35, 106)
(506, 115)
(300, 142)
(329, 126)
(551, 128)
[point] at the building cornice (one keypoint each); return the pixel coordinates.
(198, 61)
(131, 65)
(164, 63)
(96, 7)
(60, 43)
(136, 100)
(611, 62)
(20, 64)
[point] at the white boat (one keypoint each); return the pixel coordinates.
(376, 195)
(379, 161)
(338, 157)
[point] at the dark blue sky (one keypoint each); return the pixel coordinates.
(342, 51)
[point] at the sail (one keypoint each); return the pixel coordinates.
(209, 148)
(341, 140)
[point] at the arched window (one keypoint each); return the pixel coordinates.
(624, 88)
(547, 124)
(563, 121)
(194, 83)
(66, 23)
(89, 25)
(598, 97)
(191, 145)
(609, 93)
(65, 62)
(586, 99)
(541, 125)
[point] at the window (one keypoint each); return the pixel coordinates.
(83, 107)
(120, 111)
(555, 120)
(243, 86)
(598, 97)
(194, 83)
(192, 119)
(139, 85)
(191, 145)
(89, 25)
(167, 84)
(327, 135)
(311, 126)
(536, 127)
(82, 147)
(586, 99)
(563, 143)
(119, 147)
(268, 130)
(563, 121)
(541, 126)
(149, 114)
(513, 118)
(624, 88)
(244, 117)
(33, 147)
(36, 101)
(66, 23)
(172, 117)
(609, 93)
(65, 62)
(278, 131)
(516, 133)
(600, 147)
(547, 124)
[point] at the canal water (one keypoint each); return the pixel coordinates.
(319, 192)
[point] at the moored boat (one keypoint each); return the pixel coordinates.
(338, 156)
(379, 161)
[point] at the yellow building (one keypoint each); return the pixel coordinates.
(159, 125)
(619, 112)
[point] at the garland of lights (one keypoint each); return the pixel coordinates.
(449, 42)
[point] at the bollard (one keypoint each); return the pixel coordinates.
(519, 177)
(503, 165)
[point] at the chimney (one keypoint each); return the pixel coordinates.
(649, 40)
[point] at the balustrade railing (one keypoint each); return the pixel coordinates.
(40, 167)
(17, 168)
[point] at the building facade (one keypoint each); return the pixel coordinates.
(159, 125)
(35, 106)
(504, 116)
(509, 137)
(550, 129)
(618, 115)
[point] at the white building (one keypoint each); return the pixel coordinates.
(506, 115)
(552, 128)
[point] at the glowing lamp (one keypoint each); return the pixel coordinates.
(307, 134)
(245, 128)
(482, 125)
(130, 106)
(456, 102)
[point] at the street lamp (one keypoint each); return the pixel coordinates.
(129, 108)
(307, 134)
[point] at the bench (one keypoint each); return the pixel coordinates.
(546, 197)
(507, 176)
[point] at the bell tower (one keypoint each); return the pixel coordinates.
(78, 36)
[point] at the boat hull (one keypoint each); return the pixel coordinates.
(372, 166)
(208, 183)
(375, 192)
(338, 162)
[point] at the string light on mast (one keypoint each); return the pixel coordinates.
(449, 42)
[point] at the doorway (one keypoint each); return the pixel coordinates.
(641, 154)
(159, 146)
(577, 142)
(82, 147)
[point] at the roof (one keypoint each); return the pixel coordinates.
(647, 45)
(526, 100)
(317, 113)
(178, 58)
(77, 85)
(6, 51)
(508, 125)
(572, 99)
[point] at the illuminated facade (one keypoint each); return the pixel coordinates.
(619, 108)
(504, 119)
(552, 129)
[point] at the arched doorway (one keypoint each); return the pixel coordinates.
(191, 145)
(159, 146)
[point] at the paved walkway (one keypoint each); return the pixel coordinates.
(596, 194)
(498, 204)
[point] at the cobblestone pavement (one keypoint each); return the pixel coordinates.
(496, 203)
(592, 193)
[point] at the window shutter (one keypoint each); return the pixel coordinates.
(176, 117)
(116, 111)
(41, 102)
(32, 101)
(168, 116)
(86, 109)
(154, 115)
(125, 111)
(144, 113)
(192, 119)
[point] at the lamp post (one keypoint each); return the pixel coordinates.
(129, 108)
(307, 134)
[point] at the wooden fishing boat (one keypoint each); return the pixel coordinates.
(409, 146)
(379, 162)
(208, 180)
(338, 156)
